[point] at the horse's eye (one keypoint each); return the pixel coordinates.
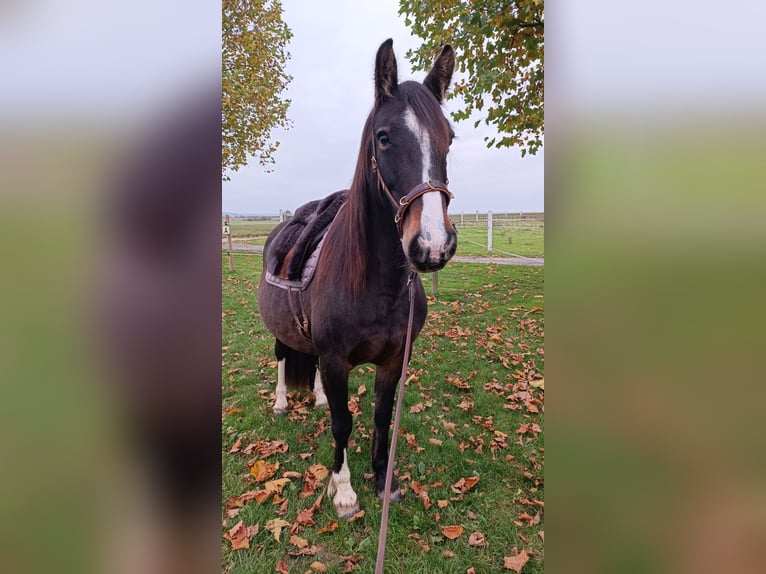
(383, 139)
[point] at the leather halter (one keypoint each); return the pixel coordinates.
(404, 202)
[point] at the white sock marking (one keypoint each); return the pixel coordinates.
(320, 399)
(340, 485)
(280, 405)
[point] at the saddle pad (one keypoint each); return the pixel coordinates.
(296, 243)
(307, 275)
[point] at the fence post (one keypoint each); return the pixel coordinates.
(434, 283)
(461, 218)
(477, 216)
(227, 231)
(489, 231)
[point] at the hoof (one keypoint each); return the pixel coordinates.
(321, 403)
(280, 412)
(344, 513)
(395, 495)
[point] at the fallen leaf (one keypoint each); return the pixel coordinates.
(541, 533)
(418, 408)
(236, 446)
(356, 516)
(435, 441)
(306, 517)
(296, 540)
(471, 570)
(332, 525)
(449, 554)
(282, 567)
(515, 563)
(442, 503)
(263, 470)
(477, 539)
(465, 484)
(350, 562)
(275, 526)
(310, 551)
(452, 532)
(362, 390)
(318, 567)
(238, 536)
(276, 486)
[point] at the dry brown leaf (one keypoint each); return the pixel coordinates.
(418, 408)
(276, 486)
(541, 533)
(452, 532)
(282, 567)
(296, 540)
(238, 537)
(319, 471)
(449, 554)
(362, 390)
(356, 516)
(435, 441)
(465, 484)
(236, 446)
(442, 503)
(471, 570)
(515, 563)
(318, 567)
(332, 525)
(477, 539)
(262, 470)
(275, 526)
(306, 517)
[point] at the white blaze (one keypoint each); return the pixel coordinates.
(433, 234)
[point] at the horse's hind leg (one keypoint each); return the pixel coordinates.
(386, 378)
(339, 486)
(280, 404)
(320, 398)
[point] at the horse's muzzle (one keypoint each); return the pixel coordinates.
(427, 257)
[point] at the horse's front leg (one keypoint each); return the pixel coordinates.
(335, 377)
(386, 378)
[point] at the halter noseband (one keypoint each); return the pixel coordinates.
(404, 202)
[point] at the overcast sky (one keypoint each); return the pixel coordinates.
(333, 56)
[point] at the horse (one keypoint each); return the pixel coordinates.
(392, 225)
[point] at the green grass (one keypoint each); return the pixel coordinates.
(483, 322)
(526, 239)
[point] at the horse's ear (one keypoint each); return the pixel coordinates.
(385, 72)
(439, 77)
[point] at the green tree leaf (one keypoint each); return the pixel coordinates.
(500, 48)
(253, 76)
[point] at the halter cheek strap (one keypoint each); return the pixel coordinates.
(405, 201)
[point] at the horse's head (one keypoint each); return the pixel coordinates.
(410, 141)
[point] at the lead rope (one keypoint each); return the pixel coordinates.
(394, 434)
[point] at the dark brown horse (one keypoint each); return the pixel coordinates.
(394, 223)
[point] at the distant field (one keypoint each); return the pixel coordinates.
(511, 235)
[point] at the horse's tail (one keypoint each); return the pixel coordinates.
(300, 368)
